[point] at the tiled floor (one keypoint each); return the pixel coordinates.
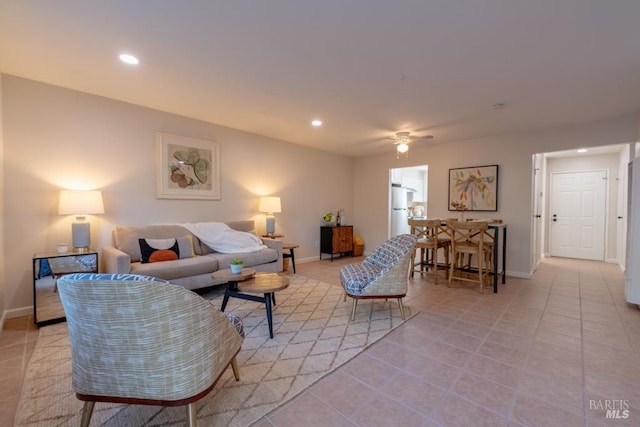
(553, 350)
(550, 351)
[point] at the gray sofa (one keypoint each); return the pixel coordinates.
(192, 273)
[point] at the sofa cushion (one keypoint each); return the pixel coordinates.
(126, 238)
(170, 270)
(155, 250)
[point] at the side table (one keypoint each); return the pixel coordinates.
(290, 247)
(47, 268)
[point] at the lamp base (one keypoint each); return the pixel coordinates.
(80, 236)
(271, 226)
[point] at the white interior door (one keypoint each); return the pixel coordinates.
(577, 214)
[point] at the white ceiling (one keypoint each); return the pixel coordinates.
(367, 68)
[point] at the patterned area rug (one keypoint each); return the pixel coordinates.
(312, 336)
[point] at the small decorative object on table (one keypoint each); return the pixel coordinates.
(327, 219)
(236, 265)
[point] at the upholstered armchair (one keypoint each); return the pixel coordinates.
(383, 274)
(141, 340)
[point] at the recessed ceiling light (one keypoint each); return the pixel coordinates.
(582, 150)
(129, 59)
(316, 123)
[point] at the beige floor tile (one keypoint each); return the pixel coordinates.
(306, 410)
(448, 354)
(456, 411)
(506, 355)
(462, 341)
(496, 371)
(338, 390)
(369, 370)
(383, 412)
(534, 412)
(419, 395)
(485, 393)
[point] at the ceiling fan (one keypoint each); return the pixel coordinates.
(402, 141)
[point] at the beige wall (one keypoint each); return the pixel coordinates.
(3, 280)
(56, 138)
(513, 154)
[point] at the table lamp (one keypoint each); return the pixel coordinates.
(80, 203)
(270, 205)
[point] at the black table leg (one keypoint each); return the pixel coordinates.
(231, 288)
(293, 260)
(496, 241)
(504, 255)
(267, 302)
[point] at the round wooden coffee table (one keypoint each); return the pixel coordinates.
(266, 284)
(232, 279)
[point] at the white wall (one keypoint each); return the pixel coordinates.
(56, 138)
(512, 152)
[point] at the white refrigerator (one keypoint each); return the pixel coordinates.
(399, 224)
(632, 264)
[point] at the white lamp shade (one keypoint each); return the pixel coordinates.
(270, 205)
(80, 202)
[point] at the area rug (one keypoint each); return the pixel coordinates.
(312, 337)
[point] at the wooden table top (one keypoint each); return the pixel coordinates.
(227, 275)
(290, 245)
(264, 283)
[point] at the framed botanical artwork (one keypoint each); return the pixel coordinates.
(187, 168)
(473, 188)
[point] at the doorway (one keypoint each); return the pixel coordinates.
(577, 209)
(407, 197)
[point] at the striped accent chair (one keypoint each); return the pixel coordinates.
(383, 274)
(141, 340)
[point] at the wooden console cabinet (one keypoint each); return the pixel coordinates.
(336, 240)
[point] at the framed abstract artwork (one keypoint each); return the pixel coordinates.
(187, 168)
(473, 188)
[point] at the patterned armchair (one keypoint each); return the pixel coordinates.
(383, 274)
(141, 340)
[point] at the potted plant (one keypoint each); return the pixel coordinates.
(327, 219)
(236, 265)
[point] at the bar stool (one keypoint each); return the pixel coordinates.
(467, 238)
(431, 237)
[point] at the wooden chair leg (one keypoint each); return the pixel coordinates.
(192, 414)
(353, 310)
(480, 275)
(234, 367)
(87, 411)
(401, 308)
(434, 262)
(413, 263)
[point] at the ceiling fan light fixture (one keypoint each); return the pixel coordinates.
(403, 147)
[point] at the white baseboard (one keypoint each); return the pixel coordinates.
(18, 312)
(519, 274)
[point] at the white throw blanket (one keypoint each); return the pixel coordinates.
(222, 238)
